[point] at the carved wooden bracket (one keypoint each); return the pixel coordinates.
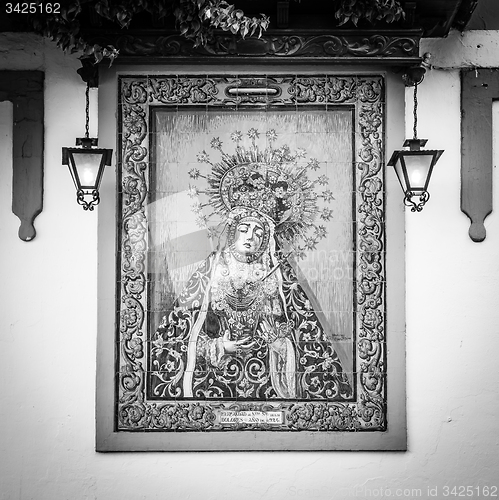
(25, 90)
(479, 88)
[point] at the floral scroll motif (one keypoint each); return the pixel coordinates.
(351, 47)
(182, 90)
(363, 94)
(308, 90)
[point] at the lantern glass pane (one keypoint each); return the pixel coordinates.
(418, 168)
(400, 173)
(87, 166)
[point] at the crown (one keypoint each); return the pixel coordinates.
(271, 181)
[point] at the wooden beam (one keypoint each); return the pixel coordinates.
(478, 89)
(25, 90)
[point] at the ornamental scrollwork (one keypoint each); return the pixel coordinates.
(134, 92)
(323, 417)
(377, 45)
(336, 46)
(370, 268)
(341, 90)
(183, 90)
(309, 90)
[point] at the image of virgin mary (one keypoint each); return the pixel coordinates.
(243, 327)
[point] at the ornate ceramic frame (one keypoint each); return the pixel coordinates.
(126, 419)
(134, 412)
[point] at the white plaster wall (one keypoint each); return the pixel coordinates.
(477, 48)
(48, 338)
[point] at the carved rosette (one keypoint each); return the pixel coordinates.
(366, 95)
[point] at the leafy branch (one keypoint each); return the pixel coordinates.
(196, 19)
(373, 11)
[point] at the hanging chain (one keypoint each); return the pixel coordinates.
(87, 110)
(415, 111)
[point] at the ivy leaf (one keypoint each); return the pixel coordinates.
(121, 16)
(196, 19)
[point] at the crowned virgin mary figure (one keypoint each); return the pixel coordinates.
(243, 327)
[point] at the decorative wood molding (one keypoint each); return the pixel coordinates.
(479, 88)
(339, 46)
(25, 90)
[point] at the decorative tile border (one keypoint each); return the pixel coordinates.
(366, 95)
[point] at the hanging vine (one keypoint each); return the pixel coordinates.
(195, 19)
(372, 11)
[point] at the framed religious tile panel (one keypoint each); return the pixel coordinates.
(251, 265)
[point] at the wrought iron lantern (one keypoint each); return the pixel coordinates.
(414, 166)
(86, 163)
